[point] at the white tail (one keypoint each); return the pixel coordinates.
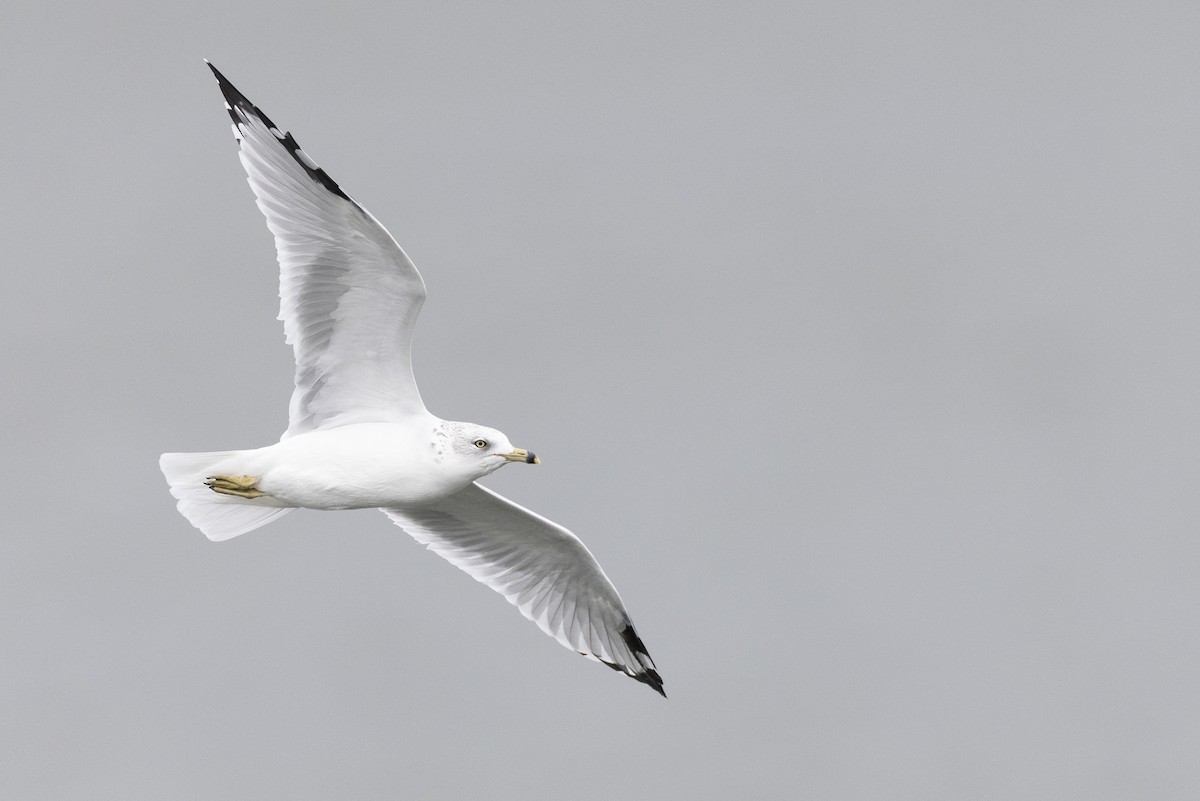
(220, 517)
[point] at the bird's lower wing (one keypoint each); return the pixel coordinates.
(540, 567)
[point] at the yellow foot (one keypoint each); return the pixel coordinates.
(241, 486)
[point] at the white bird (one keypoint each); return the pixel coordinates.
(359, 435)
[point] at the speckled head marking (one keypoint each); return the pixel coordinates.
(469, 439)
(477, 444)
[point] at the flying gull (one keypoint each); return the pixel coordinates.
(359, 435)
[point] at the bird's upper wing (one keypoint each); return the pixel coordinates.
(349, 296)
(540, 567)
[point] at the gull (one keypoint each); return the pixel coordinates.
(358, 434)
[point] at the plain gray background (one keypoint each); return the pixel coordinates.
(858, 340)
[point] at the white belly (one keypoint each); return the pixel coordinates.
(354, 467)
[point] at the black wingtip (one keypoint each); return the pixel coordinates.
(239, 104)
(236, 100)
(652, 679)
(221, 79)
(648, 675)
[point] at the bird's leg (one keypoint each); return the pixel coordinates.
(241, 486)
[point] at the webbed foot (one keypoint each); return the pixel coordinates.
(241, 486)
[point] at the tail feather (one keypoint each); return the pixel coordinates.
(220, 517)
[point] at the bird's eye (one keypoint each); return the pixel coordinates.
(481, 443)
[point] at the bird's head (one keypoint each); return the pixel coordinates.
(484, 449)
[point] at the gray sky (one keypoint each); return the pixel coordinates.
(858, 341)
